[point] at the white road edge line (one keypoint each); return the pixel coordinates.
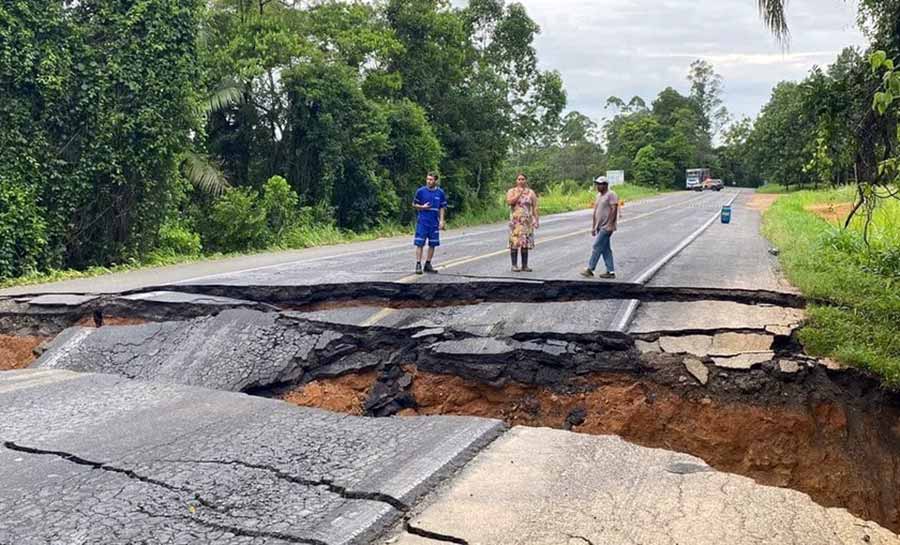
(633, 304)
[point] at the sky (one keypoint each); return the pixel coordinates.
(624, 48)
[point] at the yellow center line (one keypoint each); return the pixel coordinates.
(378, 316)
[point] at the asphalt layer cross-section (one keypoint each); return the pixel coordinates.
(90, 458)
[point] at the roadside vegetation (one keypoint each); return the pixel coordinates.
(860, 282)
(836, 133)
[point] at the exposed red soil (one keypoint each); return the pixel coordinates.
(344, 394)
(762, 201)
(18, 352)
(840, 456)
(831, 212)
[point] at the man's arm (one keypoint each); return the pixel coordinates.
(441, 218)
(613, 212)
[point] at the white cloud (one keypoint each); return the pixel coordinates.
(631, 47)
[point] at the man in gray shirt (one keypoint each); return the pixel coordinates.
(606, 215)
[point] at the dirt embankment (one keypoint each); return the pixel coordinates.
(17, 352)
(762, 201)
(831, 212)
(842, 455)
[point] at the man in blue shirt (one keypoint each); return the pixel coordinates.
(430, 202)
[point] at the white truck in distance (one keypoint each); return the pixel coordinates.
(695, 178)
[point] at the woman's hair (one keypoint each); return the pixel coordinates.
(522, 174)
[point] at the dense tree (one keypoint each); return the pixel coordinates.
(734, 165)
(676, 128)
(775, 148)
(651, 169)
(706, 93)
(575, 154)
(99, 102)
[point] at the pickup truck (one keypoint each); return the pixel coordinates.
(713, 185)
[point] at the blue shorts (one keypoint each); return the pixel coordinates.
(431, 233)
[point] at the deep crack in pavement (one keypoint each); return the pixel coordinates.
(341, 491)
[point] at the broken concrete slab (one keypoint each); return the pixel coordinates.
(176, 297)
(744, 361)
(732, 344)
(721, 344)
(781, 330)
(437, 331)
(789, 367)
(646, 347)
(697, 369)
(116, 461)
(697, 345)
(485, 346)
(61, 300)
(832, 365)
(710, 316)
(249, 350)
(550, 487)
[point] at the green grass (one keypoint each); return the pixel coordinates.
(554, 201)
(860, 322)
(778, 188)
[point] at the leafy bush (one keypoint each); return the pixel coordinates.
(318, 214)
(22, 231)
(650, 169)
(237, 222)
(242, 219)
(176, 239)
(280, 204)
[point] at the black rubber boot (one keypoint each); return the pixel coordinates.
(514, 258)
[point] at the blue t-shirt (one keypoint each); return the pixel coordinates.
(430, 217)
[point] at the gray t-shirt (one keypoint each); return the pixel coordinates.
(603, 207)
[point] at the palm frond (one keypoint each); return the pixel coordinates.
(773, 15)
(228, 94)
(203, 173)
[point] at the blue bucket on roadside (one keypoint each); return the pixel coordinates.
(726, 214)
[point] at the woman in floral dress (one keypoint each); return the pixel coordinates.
(523, 220)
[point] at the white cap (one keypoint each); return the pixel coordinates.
(601, 180)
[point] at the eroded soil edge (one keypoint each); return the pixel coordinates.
(834, 438)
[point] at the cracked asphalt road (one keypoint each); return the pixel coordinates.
(99, 459)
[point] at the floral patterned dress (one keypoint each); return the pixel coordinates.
(521, 221)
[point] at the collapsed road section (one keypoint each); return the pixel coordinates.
(100, 459)
(727, 382)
